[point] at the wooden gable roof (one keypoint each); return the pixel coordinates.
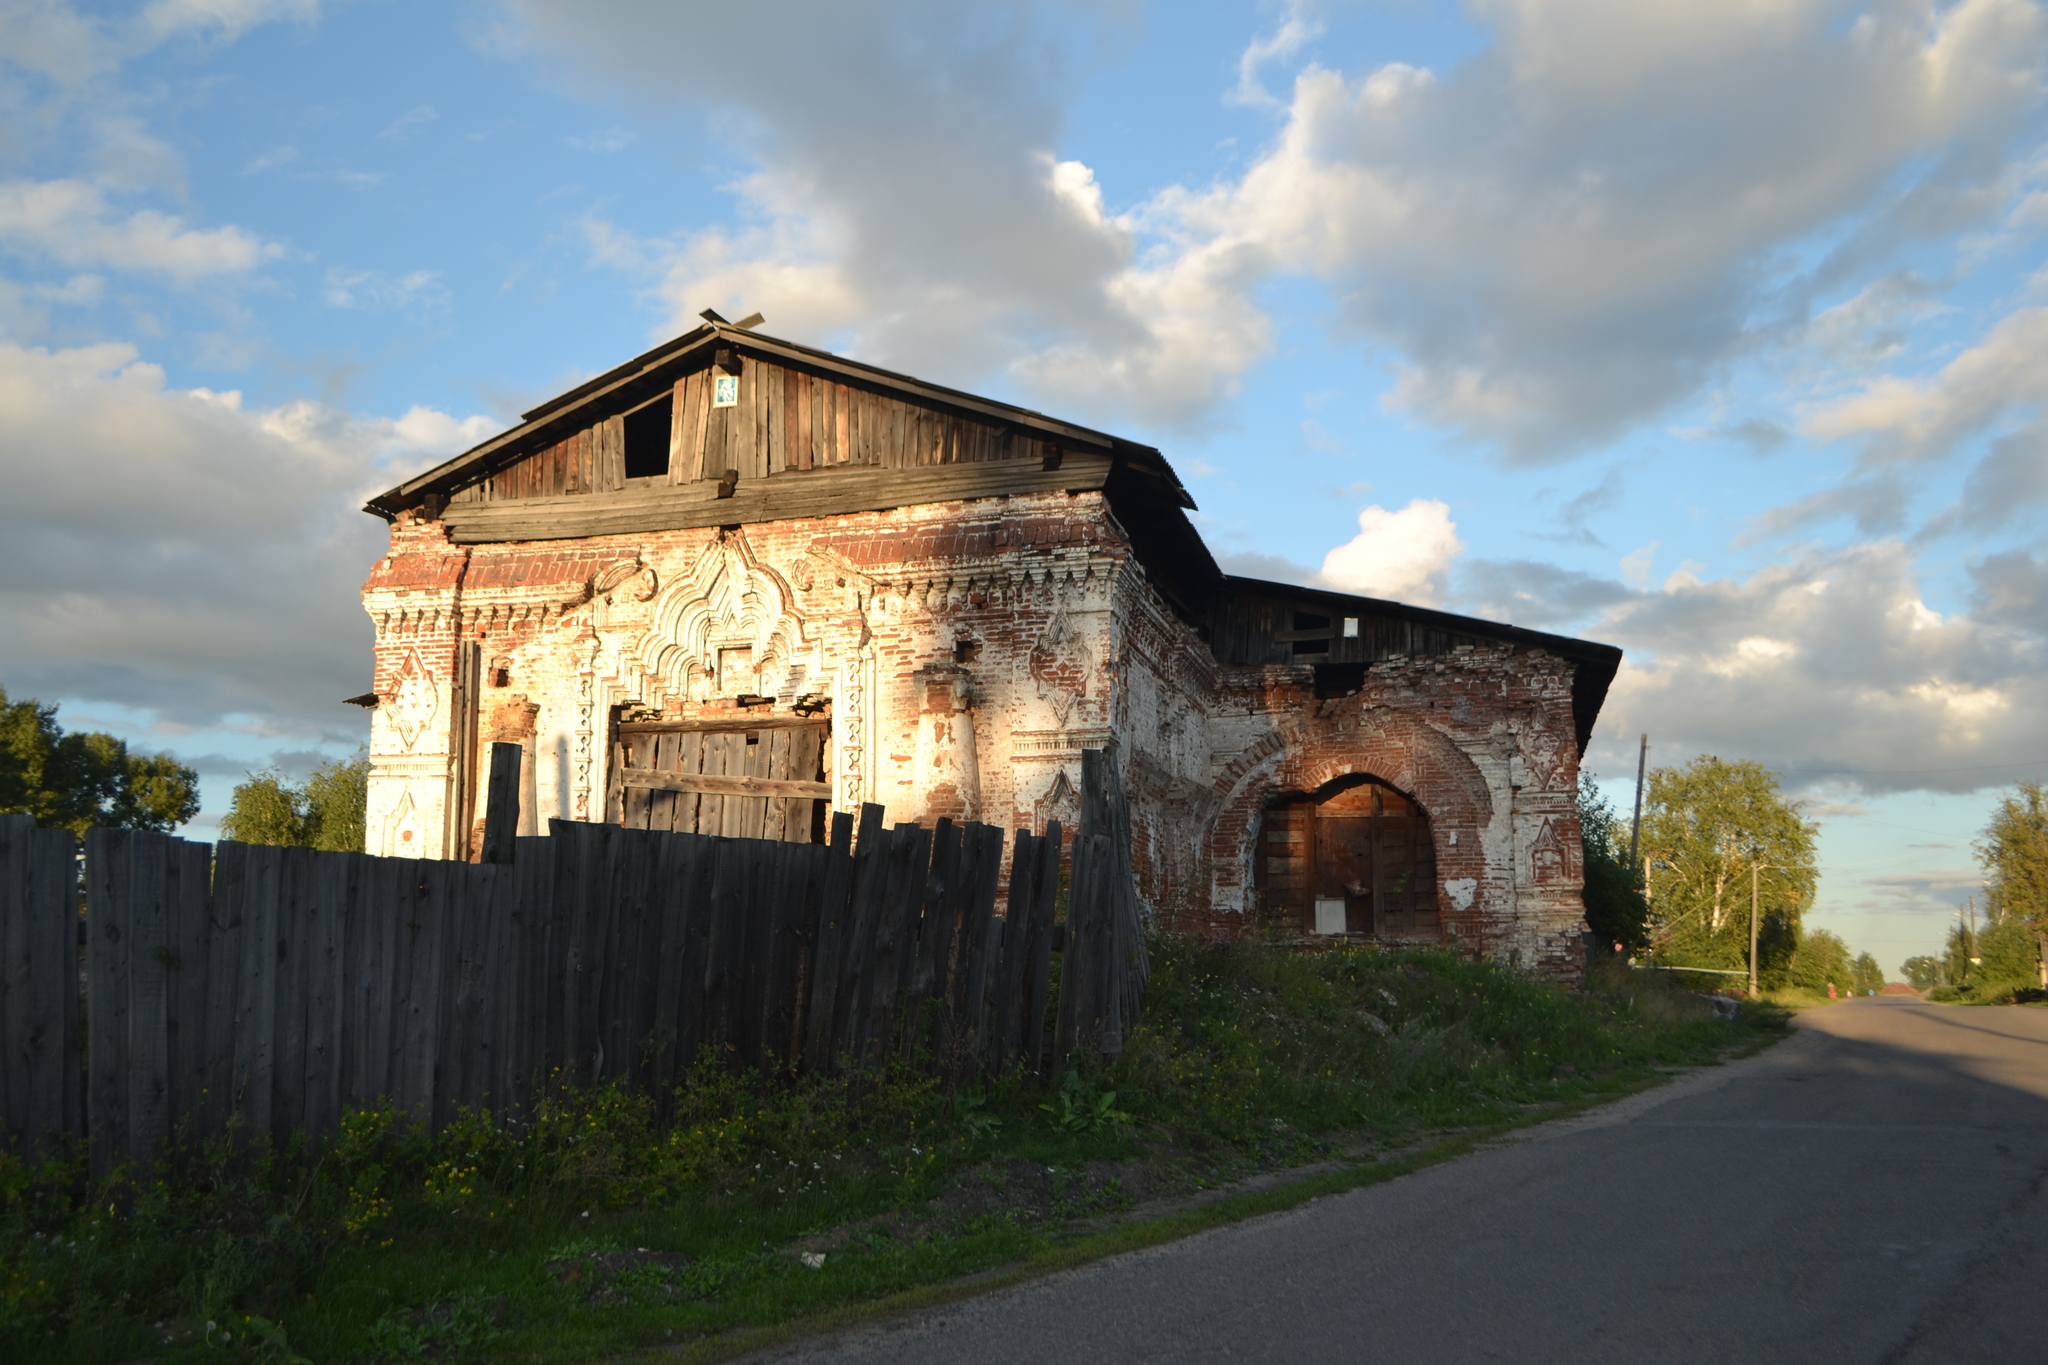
(797, 409)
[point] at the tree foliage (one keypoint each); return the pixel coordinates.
(1615, 910)
(1922, 973)
(337, 804)
(2008, 954)
(2014, 855)
(78, 781)
(1704, 827)
(1821, 960)
(325, 813)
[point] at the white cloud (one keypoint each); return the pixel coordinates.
(1637, 563)
(614, 139)
(1834, 663)
(179, 552)
(1985, 407)
(1528, 592)
(1402, 555)
(71, 47)
(72, 223)
(271, 160)
(226, 18)
(1297, 28)
(400, 128)
(907, 201)
(354, 180)
(414, 290)
(1576, 227)
(1907, 417)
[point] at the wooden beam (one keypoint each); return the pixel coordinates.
(782, 496)
(738, 722)
(714, 784)
(501, 809)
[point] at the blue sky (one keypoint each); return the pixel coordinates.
(1710, 330)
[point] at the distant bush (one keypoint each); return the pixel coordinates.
(326, 813)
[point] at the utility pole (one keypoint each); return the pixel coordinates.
(1753, 870)
(1635, 828)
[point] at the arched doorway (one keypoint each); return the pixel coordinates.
(1355, 858)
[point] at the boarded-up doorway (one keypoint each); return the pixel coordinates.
(1360, 860)
(749, 779)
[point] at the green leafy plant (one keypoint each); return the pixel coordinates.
(970, 1109)
(1077, 1107)
(453, 1327)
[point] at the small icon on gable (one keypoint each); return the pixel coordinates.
(725, 391)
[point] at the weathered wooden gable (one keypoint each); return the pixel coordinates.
(787, 419)
(658, 453)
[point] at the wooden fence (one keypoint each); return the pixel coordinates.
(267, 989)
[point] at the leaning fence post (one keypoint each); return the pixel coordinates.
(501, 803)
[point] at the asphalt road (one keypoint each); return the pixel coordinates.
(1869, 1190)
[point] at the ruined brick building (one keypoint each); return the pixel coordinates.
(737, 582)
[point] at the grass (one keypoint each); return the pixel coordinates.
(613, 1223)
(1799, 997)
(1987, 993)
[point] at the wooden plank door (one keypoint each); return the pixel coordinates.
(1374, 850)
(759, 781)
(1283, 865)
(1344, 867)
(1405, 870)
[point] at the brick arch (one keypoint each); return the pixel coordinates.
(1406, 753)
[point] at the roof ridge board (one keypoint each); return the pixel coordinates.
(1428, 614)
(666, 351)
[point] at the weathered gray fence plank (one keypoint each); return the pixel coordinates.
(41, 1085)
(531, 948)
(297, 932)
(190, 902)
(833, 925)
(150, 940)
(18, 1013)
(256, 1011)
(672, 887)
(432, 908)
(979, 945)
(225, 983)
(108, 901)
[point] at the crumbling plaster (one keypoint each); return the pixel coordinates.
(969, 652)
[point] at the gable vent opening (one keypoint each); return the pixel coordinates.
(647, 431)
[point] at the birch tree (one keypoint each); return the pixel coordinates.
(1705, 827)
